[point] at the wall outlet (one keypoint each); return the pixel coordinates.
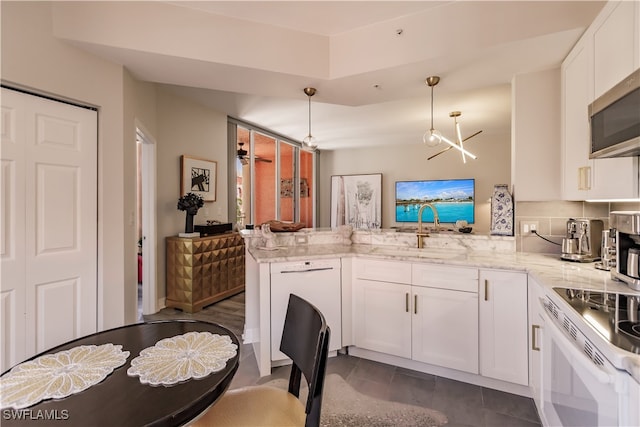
(528, 227)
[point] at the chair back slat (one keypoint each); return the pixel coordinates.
(305, 340)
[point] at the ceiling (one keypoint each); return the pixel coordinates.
(367, 59)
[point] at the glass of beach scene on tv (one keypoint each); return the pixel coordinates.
(453, 198)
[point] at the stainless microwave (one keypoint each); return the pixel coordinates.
(614, 120)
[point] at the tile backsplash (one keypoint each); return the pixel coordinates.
(552, 219)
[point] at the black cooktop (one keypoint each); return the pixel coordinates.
(615, 316)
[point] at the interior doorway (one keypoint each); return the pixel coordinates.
(146, 222)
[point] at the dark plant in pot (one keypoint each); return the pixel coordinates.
(190, 203)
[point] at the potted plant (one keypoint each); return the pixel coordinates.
(190, 203)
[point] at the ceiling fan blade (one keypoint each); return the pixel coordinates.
(449, 148)
(260, 159)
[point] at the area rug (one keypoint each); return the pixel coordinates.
(343, 406)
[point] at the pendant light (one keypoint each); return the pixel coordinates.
(309, 141)
(432, 137)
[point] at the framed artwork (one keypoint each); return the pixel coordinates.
(198, 176)
(356, 200)
(286, 187)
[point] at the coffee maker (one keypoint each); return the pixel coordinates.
(607, 251)
(583, 240)
(627, 228)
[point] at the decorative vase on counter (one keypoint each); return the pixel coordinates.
(501, 211)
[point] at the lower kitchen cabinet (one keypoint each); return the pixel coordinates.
(445, 328)
(504, 326)
(445, 316)
(536, 330)
(434, 321)
(382, 317)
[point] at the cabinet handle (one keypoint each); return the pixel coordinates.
(534, 345)
(415, 304)
(486, 290)
(406, 302)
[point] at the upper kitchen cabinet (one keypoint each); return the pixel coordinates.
(606, 53)
(616, 44)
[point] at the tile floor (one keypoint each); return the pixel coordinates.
(464, 404)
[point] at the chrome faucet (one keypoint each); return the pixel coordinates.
(436, 223)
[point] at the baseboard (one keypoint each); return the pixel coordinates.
(441, 372)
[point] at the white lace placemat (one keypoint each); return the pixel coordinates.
(58, 375)
(183, 357)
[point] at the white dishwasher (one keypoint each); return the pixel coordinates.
(317, 281)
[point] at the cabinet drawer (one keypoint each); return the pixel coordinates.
(445, 277)
(383, 271)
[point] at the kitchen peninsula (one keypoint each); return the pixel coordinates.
(490, 292)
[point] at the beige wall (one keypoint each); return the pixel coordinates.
(185, 128)
(33, 59)
(139, 111)
(410, 163)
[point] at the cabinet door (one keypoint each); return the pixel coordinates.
(614, 45)
(615, 55)
(503, 326)
(577, 93)
(445, 328)
(536, 329)
(382, 318)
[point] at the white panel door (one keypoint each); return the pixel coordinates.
(503, 326)
(12, 244)
(381, 317)
(55, 217)
(445, 328)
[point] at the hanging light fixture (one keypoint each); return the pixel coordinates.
(309, 141)
(433, 137)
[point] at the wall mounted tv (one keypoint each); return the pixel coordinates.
(453, 198)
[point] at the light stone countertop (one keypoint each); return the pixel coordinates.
(547, 269)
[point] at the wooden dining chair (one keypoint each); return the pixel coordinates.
(305, 340)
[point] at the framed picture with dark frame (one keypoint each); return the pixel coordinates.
(356, 200)
(198, 176)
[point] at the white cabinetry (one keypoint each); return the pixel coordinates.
(445, 316)
(382, 319)
(606, 53)
(381, 310)
(615, 44)
(536, 331)
(577, 93)
(432, 318)
(503, 326)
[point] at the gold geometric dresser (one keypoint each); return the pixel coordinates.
(203, 270)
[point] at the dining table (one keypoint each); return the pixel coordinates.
(129, 395)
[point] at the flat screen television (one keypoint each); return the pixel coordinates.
(453, 198)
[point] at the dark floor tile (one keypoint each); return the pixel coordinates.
(342, 365)
(458, 390)
(373, 371)
(412, 390)
(370, 388)
(461, 402)
(510, 404)
(494, 419)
